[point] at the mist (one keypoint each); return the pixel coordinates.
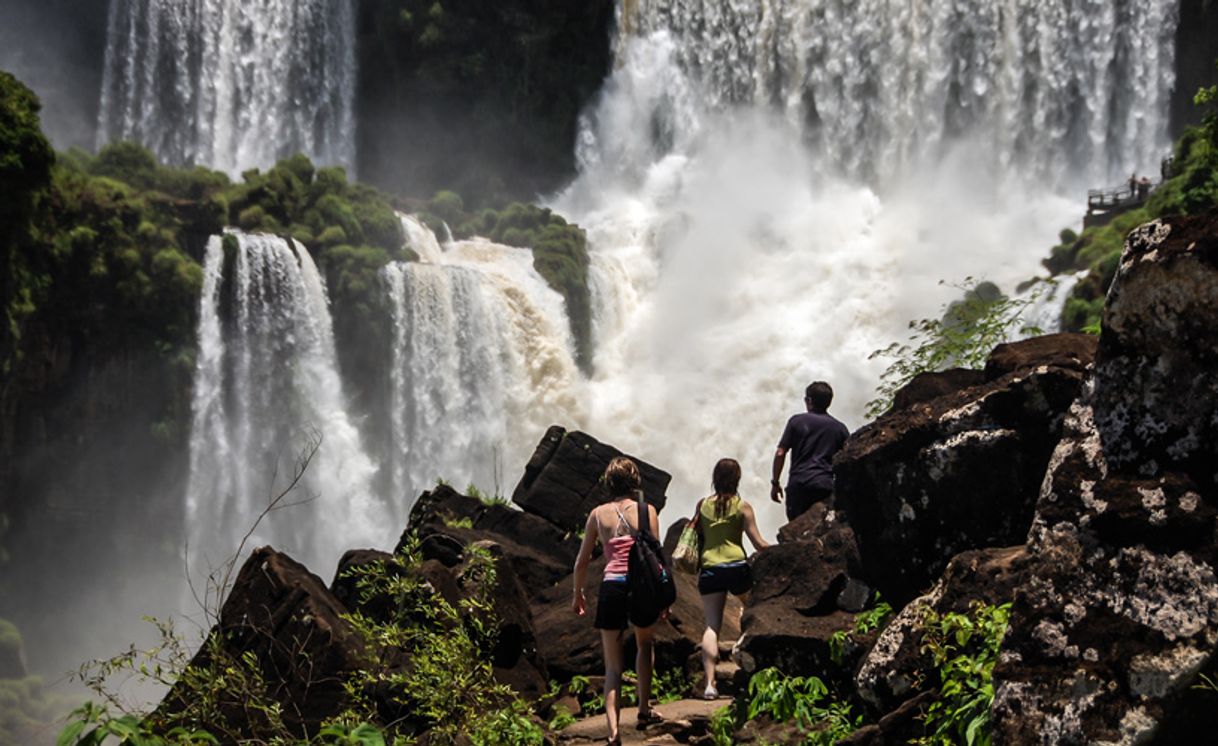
(57, 48)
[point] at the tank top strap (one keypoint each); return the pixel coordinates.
(621, 518)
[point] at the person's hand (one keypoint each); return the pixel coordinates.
(578, 604)
(776, 493)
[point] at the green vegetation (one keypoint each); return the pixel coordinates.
(427, 669)
(804, 701)
(864, 622)
(1192, 189)
(560, 251)
(964, 649)
(963, 337)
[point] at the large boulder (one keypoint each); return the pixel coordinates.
(961, 471)
(1156, 393)
(1119, 616)
(1120, 611)
(561, 482)
(806, 589)
(301, 646)
(445, 522)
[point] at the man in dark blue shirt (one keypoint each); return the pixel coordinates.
(812, 438)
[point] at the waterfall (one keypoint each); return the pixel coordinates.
(1058, 90)
(229, 84)
(481, 364)
(266, 385)
(773, 190)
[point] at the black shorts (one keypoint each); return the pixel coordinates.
(613, 605)
(735, 578)
(802, 497)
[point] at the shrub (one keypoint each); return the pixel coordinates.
(963, 336)
(963, 649)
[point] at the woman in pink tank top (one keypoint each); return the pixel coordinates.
(613, 524)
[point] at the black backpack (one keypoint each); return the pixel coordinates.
(652, 586)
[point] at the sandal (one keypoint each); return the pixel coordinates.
(651, 717)
(613, 741)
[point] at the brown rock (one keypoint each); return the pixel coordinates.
(561, 482)
(959, 472)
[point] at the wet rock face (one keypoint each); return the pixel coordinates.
(961, 471)
(1156, 393)
(561, 482)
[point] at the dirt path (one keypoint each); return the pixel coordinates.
(685, 720)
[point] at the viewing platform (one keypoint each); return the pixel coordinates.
(1105, 204)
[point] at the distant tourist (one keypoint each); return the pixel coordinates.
(813, 438)
(1143, 188)
(613, 524)
(1133, 185)
(723, 518)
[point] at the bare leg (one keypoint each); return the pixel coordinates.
(611, 645)
(712, 610)
(644, 638)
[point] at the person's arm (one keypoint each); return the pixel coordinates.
(750, 527)
(780, 458)
(591, 532)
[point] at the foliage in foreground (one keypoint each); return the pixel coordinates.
(866, 621)
(963, 649)
(804, 701)
(962, 337)
(427, 669)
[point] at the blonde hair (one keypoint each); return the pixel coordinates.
(622, 477)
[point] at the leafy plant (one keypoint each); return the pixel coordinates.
(561, 719)
(963, 336)
(963, 649)
(864, 622)
(429, 659)
(804, 701)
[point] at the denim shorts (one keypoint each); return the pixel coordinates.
(734, 577)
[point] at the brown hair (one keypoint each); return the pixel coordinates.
(622, 477)
(726, 479)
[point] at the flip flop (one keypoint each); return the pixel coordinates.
(651, 717)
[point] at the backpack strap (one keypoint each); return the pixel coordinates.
(644, 516)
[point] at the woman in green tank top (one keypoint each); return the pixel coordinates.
(723, 519)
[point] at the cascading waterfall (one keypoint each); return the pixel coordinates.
(1056, 90)
(481, 364)
(771, 190)
(229, 84)
(266, 385)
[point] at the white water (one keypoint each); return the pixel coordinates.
(266, 384)
(231, 84)
(481, 361)
(744, 246)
